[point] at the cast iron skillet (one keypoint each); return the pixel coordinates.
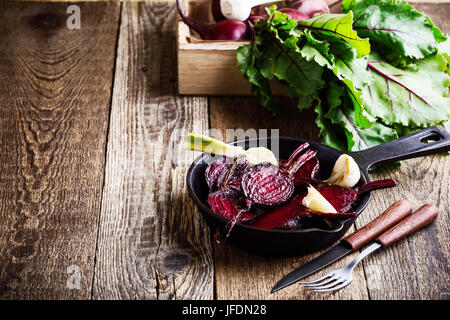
(297, 242)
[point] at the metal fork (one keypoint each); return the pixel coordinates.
(339, 278)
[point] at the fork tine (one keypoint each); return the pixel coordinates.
(321, 283)
(327, 285)
(328, 275)
(345, 283)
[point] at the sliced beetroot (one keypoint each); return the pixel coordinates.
(375, 185)
(229, 204)
(225, 169)
(308, 173)
(342, 198)
(235, 173)
(216, 172)
(297, 160)
(267, 185)
(292, 215)
(282, 215)
(315, 220)
(295, 154)
(339, 197)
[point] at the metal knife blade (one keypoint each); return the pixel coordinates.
(335, 253)
(391, 216)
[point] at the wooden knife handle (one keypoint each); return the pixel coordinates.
(419, 219)
(390, 217)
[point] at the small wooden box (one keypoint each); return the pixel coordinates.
(208, 67)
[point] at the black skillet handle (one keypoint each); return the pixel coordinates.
(422, 143)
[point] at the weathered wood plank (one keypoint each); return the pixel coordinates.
(152, 243)
(55, 90)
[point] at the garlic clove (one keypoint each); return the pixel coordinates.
(261, 154)
(345, 173)
(316, 202)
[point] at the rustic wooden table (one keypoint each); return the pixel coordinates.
(93, 201)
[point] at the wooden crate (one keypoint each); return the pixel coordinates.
(208, 67)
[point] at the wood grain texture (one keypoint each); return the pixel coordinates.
(152, 242)
(55, 89)
(415, 268)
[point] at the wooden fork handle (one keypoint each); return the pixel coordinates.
(419, 219)
(390, 217)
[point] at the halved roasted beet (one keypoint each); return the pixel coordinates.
(219, 170)
(229, 204)
(267, 185)
(216, 172)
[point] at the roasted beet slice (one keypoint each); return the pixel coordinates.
(315, 220)
(301, 161)
(292, 215)
(266, 185)
(271, 186)
(308, 173)
(229, 204)
(282, 215)
(218, 171)
(295, 154)
(375, 185)
(339, 197)
(342, 198)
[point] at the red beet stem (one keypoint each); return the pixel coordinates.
(199, 28)
(375, 185)
(295, 154)
(254, 17)
(292, 169)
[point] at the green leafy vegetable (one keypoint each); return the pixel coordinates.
(394, 27)
(338, 26)
(362, 97)
(409, 98)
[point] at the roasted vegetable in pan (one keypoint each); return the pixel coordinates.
(287, 196)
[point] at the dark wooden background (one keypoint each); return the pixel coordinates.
(92, 178)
